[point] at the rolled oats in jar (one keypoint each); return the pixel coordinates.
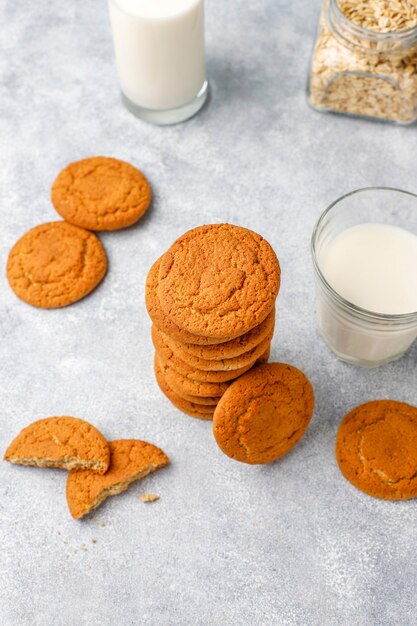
(365, 59)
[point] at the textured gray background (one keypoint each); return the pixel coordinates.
(291, 543)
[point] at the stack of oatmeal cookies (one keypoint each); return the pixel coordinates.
(211, 298)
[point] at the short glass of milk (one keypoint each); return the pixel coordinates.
(160, 57)
(364, 250)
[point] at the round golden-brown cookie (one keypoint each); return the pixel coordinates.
(130, 460)
(61, 442)
(237, 363)
(184, 386)
(195, 410)
(376, 449)
(159, 318)
(218, 281)
(55, 264)
(264, 413)
(101, 193)
(229, 349)
(213, 376)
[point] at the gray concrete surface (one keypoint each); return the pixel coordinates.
(291, 543)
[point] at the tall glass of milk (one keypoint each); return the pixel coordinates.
(160, 57)
(364, 249)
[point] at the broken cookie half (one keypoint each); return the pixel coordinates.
(61, 442)
(130, 460)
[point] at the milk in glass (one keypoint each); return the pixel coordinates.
(160, 56)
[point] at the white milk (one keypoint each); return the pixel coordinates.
(374, 266)
(159, 46)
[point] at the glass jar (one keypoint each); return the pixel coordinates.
(354, 334)
(363, 72)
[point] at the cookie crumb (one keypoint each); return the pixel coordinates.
(149, 497)
(94, 540)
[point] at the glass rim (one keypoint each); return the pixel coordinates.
(370, 315)
(116, 4)
(404, 34)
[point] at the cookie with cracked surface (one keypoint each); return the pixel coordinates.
(101, 193)
(264, 413)
(236, 364)
(160, 319)
(184, 386)
(130, 460)
(56, 264)
(229, 349)
(167, 356)
(218, 281)
(376, 449)
(190, 408)
(61, 442)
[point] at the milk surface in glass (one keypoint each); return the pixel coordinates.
(159, 47)
(374, 266)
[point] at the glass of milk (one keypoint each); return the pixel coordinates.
(160, 57)
(364, 249)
